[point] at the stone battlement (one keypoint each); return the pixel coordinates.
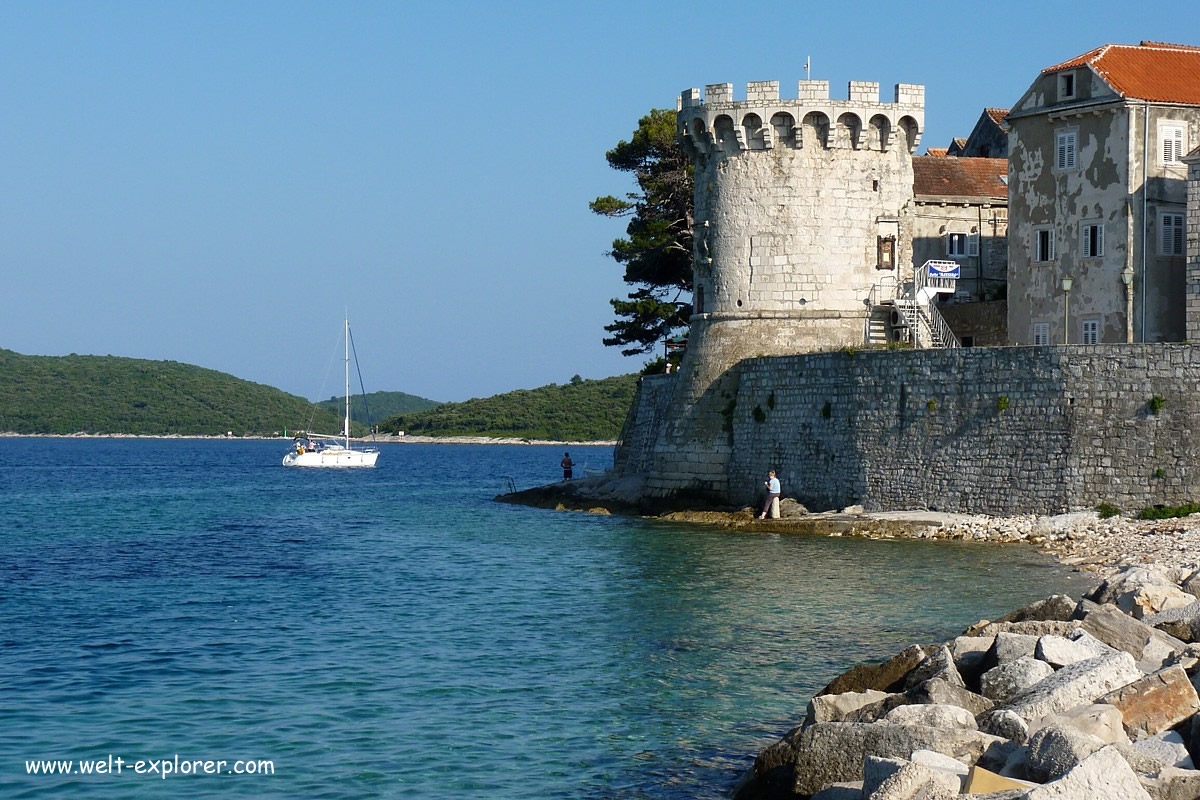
(909, 95)
(715, 122)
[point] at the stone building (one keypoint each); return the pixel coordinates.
(989, 137)
(1097, 190)
(960, 213)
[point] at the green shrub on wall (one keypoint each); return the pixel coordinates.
(1002, 402)
(1156, 404)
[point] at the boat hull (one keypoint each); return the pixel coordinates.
(331, 458)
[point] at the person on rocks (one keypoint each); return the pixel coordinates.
(567, 467)
(772, 484)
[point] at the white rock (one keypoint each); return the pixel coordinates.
(1077, 684)
(1103, 775)
(935, 715)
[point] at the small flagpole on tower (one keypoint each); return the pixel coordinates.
(807, 67)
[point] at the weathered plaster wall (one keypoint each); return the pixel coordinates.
(1120, 182)
(1063, 201)
(996, 430)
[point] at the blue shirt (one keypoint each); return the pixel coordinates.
(773, 486)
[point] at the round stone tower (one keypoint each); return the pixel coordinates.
(797, 216)
(798, 207)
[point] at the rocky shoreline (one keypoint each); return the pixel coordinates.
(1092, 699)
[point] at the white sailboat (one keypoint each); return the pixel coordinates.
(316, 450)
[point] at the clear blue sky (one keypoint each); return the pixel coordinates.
(214, 182)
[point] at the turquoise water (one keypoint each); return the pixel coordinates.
(396, 633)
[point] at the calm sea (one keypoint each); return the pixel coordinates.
(396, 633)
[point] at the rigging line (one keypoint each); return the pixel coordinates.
(361, 387)
(325, 380)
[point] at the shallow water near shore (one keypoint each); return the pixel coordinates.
(396, 633)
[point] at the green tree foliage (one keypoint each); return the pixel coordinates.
(381, 405)
(657, 254)
(107, 394)
(579, 411)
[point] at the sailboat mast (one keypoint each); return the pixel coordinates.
(346, 431)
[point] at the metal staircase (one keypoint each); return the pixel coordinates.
(912, 313)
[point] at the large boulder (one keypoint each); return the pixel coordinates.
(1057, 749)
(1183, 622)
(1011, 646)
(1151, 648)
(969, 653)
(1049, 627)
(1155, 702)
(1167, 748)
(1103, 775)
(1128, 579)
(887, 676)
(1058, 651)
(931, 692)
(1077, 684)
(1173, 784)
(939, 664)
(1055, 607)
(832, 752)
(1145, 601)
(916, 782)
(935, 715)
(1101, 720)
(836, 707)
(1012, 678)
(1005, 724)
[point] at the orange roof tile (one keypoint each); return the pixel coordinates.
(937, 152)
(1155, 71)
(960, 177)
(997, 115)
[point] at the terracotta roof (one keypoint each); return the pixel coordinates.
(937, 152)
(1156, 71)
(997, 116)
(960, 177)
(961, 141)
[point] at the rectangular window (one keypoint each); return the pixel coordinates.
(1091, 331)
(1092, 240)
(1066, 85)
(1170, 240)
(1064, 148)
(956, 244)
(1041, 333)
(1043, 245)
(1172, 143)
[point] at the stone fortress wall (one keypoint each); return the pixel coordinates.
(794, 201)
(997, 430)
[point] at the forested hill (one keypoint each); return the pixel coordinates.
(381, 405)
(579, 411)
(109, 394)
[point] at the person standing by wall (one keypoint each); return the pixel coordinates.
(772, 484)
(567, 466)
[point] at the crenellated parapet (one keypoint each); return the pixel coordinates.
(715, 123)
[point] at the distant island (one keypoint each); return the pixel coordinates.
(113, 395)
(578, 411)
(378, 405)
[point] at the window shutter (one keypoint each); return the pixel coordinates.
(1085, 241)
(973, 244)
(1062, 152)
(1049, 245)
(1099, 241)
(949, 244)
(1178, 242)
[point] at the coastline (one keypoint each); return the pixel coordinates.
(1089, 698)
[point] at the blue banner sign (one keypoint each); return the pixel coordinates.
(944, 269)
